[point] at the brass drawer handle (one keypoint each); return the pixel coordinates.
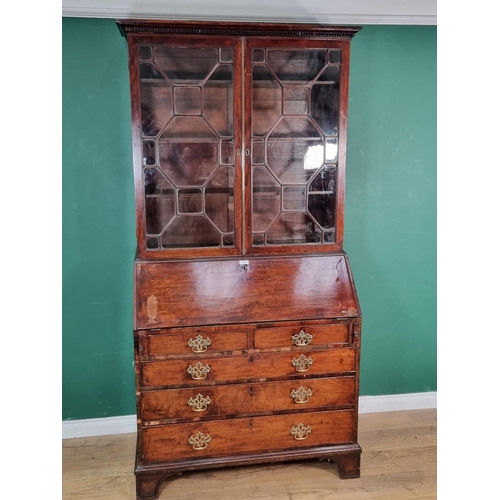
(300, 432)
(302, 363)
(302, 338)
(199, 403)
(301, 395)
(199, 344)
(198, 371)
(200, 441)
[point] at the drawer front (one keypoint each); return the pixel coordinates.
(197, 341)
(246, 435)
(301, 336)
(202, 370)
(238, 399)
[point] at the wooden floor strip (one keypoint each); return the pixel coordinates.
(398, 463)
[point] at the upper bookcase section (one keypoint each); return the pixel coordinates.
(239, 135)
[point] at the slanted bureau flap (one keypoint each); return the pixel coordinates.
(182, 293)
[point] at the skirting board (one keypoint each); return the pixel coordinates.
(367, 404)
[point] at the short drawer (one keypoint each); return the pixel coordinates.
(217, 438)
(195, 341)
(301, 336)
(246, 367)
(238, 399)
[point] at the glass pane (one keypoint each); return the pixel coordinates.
(293, 228)
(325, 100)
(322, 208)
(159, 212)
(322, 197)
(188, 163)
(187, 100)
(332, 149)
(190, 231)
(295, 101)
(187, 107)
(334, 56)
(266, 100)
(329, 237)
(159, 203)
(266, 200)
(228, 240)
(295, 126)
(294, 198)
(156, 100)
(219, 199)
(294, 145)
(186, 65)
(226, 55)
(148, 153)
(258, 55)
(293, 162)
(145, 53)
(188, 127)
(190, 201)
(258, 151)
(227, 152)
(296, 66)
(218, 100)
(258, 238)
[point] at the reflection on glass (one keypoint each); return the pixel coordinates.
(189, 200)
(187, 113)
(294, 198)
(287, 159)
(314, 156)
(186, 65)
(293, 228)
(218, 100)
(266, 203)
(190, 231)
(295, 101)
(295, 121)
(187, 100)
(188, 163)
(296, 66)
(266, 100)
(219, 195)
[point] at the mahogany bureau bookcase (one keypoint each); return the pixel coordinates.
(246, 320)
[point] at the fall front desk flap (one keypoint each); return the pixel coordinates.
(182, 293)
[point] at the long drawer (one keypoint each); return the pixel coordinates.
(258, 366)
(216, 438)
(237, 399)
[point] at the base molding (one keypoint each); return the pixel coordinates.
(128, 423)
(150, 477)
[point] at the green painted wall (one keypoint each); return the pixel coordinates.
(390, 213)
